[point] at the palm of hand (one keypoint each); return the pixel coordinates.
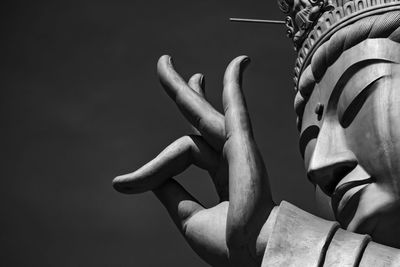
(226, 234)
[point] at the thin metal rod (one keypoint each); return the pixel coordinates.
(257, 21)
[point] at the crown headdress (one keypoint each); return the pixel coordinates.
(302, 16)
(312, 22)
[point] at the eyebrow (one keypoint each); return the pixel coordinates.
(306, 136)
(357, 102)
(348, 75)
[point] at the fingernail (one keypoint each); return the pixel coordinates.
(202, 81)
(246, 60)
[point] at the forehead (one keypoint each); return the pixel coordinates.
(370, 50)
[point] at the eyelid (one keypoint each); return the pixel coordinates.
(307, 135)
(358, 81)
(352, 95)
(351, 111)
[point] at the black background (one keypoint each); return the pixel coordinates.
(81, 103)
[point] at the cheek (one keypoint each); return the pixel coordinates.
(323, 205)
(308, 153)
(374, 135)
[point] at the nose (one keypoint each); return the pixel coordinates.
(331, 160)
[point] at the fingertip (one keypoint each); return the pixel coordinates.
(199, 79)
(196, 82)
(121, 184)
(236, 68)
(164, 58)
(241, 61)
(243, 58)
(163, 62)
(196, 78)
(117, 185)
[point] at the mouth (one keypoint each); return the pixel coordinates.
(347, 187)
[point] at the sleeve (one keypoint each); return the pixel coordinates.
(299, 238)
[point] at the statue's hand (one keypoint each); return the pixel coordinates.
(225, 235)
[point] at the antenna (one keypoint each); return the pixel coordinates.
(257, 21)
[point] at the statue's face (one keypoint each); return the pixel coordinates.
(351, 138)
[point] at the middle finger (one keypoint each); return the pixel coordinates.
(196, 109)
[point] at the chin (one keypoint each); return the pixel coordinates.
(373, 210)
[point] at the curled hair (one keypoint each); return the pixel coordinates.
(285, 5)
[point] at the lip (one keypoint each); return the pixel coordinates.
(347, 187)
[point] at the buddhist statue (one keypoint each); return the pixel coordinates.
(347, 83)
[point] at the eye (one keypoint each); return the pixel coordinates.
(308, 134)
(352, 109)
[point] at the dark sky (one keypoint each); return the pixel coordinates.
(81, 103)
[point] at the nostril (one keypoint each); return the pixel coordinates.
(328, 176)
(338, 175)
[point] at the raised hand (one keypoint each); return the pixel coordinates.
(229, 233)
